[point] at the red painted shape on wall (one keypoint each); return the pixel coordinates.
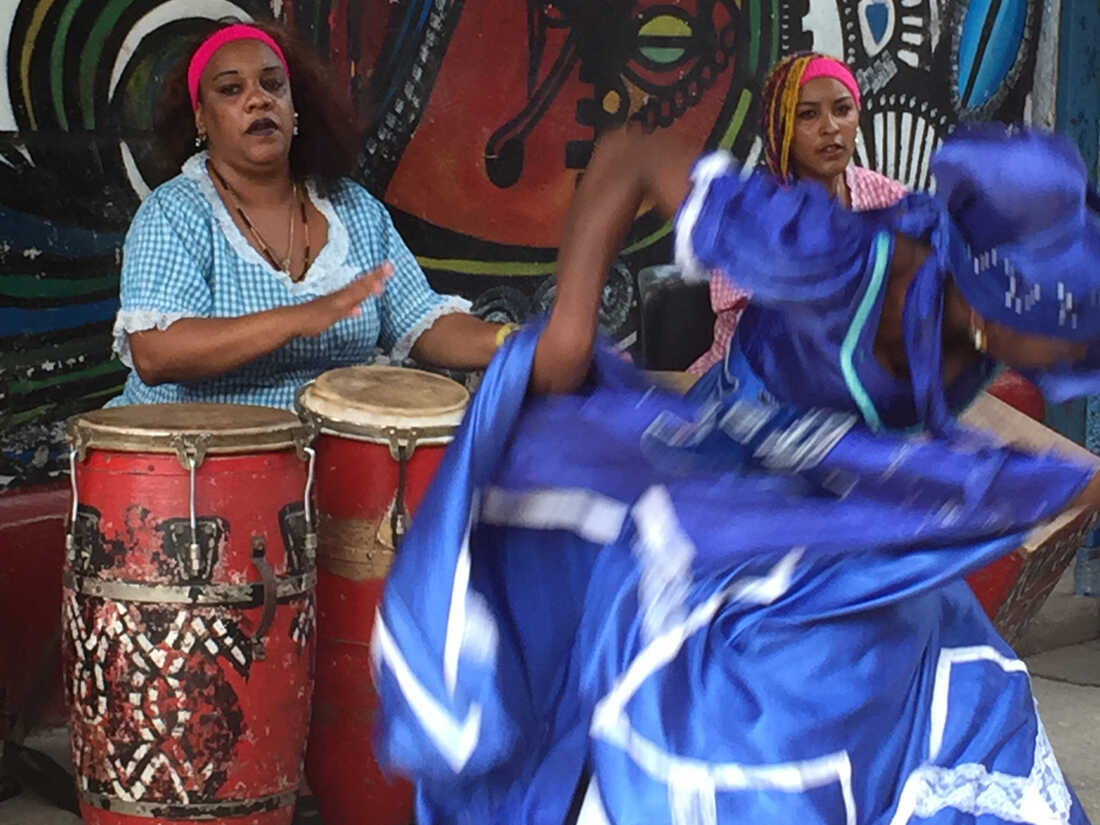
(482, 84)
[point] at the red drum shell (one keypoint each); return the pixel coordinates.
(357, 483)
(175, 715)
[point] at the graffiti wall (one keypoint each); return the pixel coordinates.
(480, 115)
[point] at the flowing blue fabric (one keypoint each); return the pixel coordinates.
(732, 614)
(1012, 224)
(746, 605)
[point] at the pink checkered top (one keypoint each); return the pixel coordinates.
(868, 190)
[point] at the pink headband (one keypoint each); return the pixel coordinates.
(831, 67)
(238, 31)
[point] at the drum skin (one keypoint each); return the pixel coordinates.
(176, 716)
(356, 485)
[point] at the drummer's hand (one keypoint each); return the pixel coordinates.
(563, 356)
(315, 316)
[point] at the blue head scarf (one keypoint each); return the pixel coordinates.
(1033, 239)
(1019, 232)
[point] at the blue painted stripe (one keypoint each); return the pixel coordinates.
(425, 10)
(880, 259)
(16, 321)
(25, 231)
(1000, 53)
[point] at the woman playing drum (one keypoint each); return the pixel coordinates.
(262, 264)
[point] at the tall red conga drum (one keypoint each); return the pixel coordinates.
(188, 613)
(382, 433)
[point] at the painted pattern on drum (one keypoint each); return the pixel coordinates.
(154, 716)
(120, 550)
(1038, 576)
(292, 524)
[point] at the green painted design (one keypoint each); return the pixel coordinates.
(92, 53)
(138, 107)
(11, 422)
(665, 27)
(649, 239)
(46, 411)
(737, 121)
(855, 331)
(23, 386)
(88, 346)
(663, 55)
(469, 267)
(57, 61)
(33, 286)
(35, 26)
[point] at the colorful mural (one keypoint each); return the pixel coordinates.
(479, 117)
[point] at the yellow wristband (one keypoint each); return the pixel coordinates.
(504, 331)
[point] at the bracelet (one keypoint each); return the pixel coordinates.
(504, 331)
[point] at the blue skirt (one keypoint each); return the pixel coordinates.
(723, 612)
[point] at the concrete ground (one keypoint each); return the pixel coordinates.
(1062, 651)
(1066, 682)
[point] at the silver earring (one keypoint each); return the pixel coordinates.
(295, 123)
(200, 139)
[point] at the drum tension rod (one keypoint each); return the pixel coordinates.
(402, 447)
(191, 452)
(267, 574)
(70, 537)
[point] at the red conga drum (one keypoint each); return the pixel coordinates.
(383, 431)
(1014, 588)
(188, 613)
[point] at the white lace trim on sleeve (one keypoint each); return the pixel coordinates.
(450, 305)
(139, 320)
(704, 172)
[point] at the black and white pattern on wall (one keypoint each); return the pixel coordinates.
(924, 66)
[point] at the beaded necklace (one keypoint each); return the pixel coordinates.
(284, 265)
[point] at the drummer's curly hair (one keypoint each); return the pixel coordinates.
(327, 145)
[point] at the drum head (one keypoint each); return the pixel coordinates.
(161, 428)
(368, 400)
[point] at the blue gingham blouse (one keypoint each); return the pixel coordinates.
(185, 258)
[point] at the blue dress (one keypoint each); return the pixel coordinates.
(744, 606)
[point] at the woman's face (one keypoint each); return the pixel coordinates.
(825, 126)
(245, 107)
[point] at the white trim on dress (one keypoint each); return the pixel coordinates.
(128, 321)
(451, 305)
(329, 270)
(703, 174)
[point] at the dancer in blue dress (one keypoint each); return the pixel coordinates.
(748, 605)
